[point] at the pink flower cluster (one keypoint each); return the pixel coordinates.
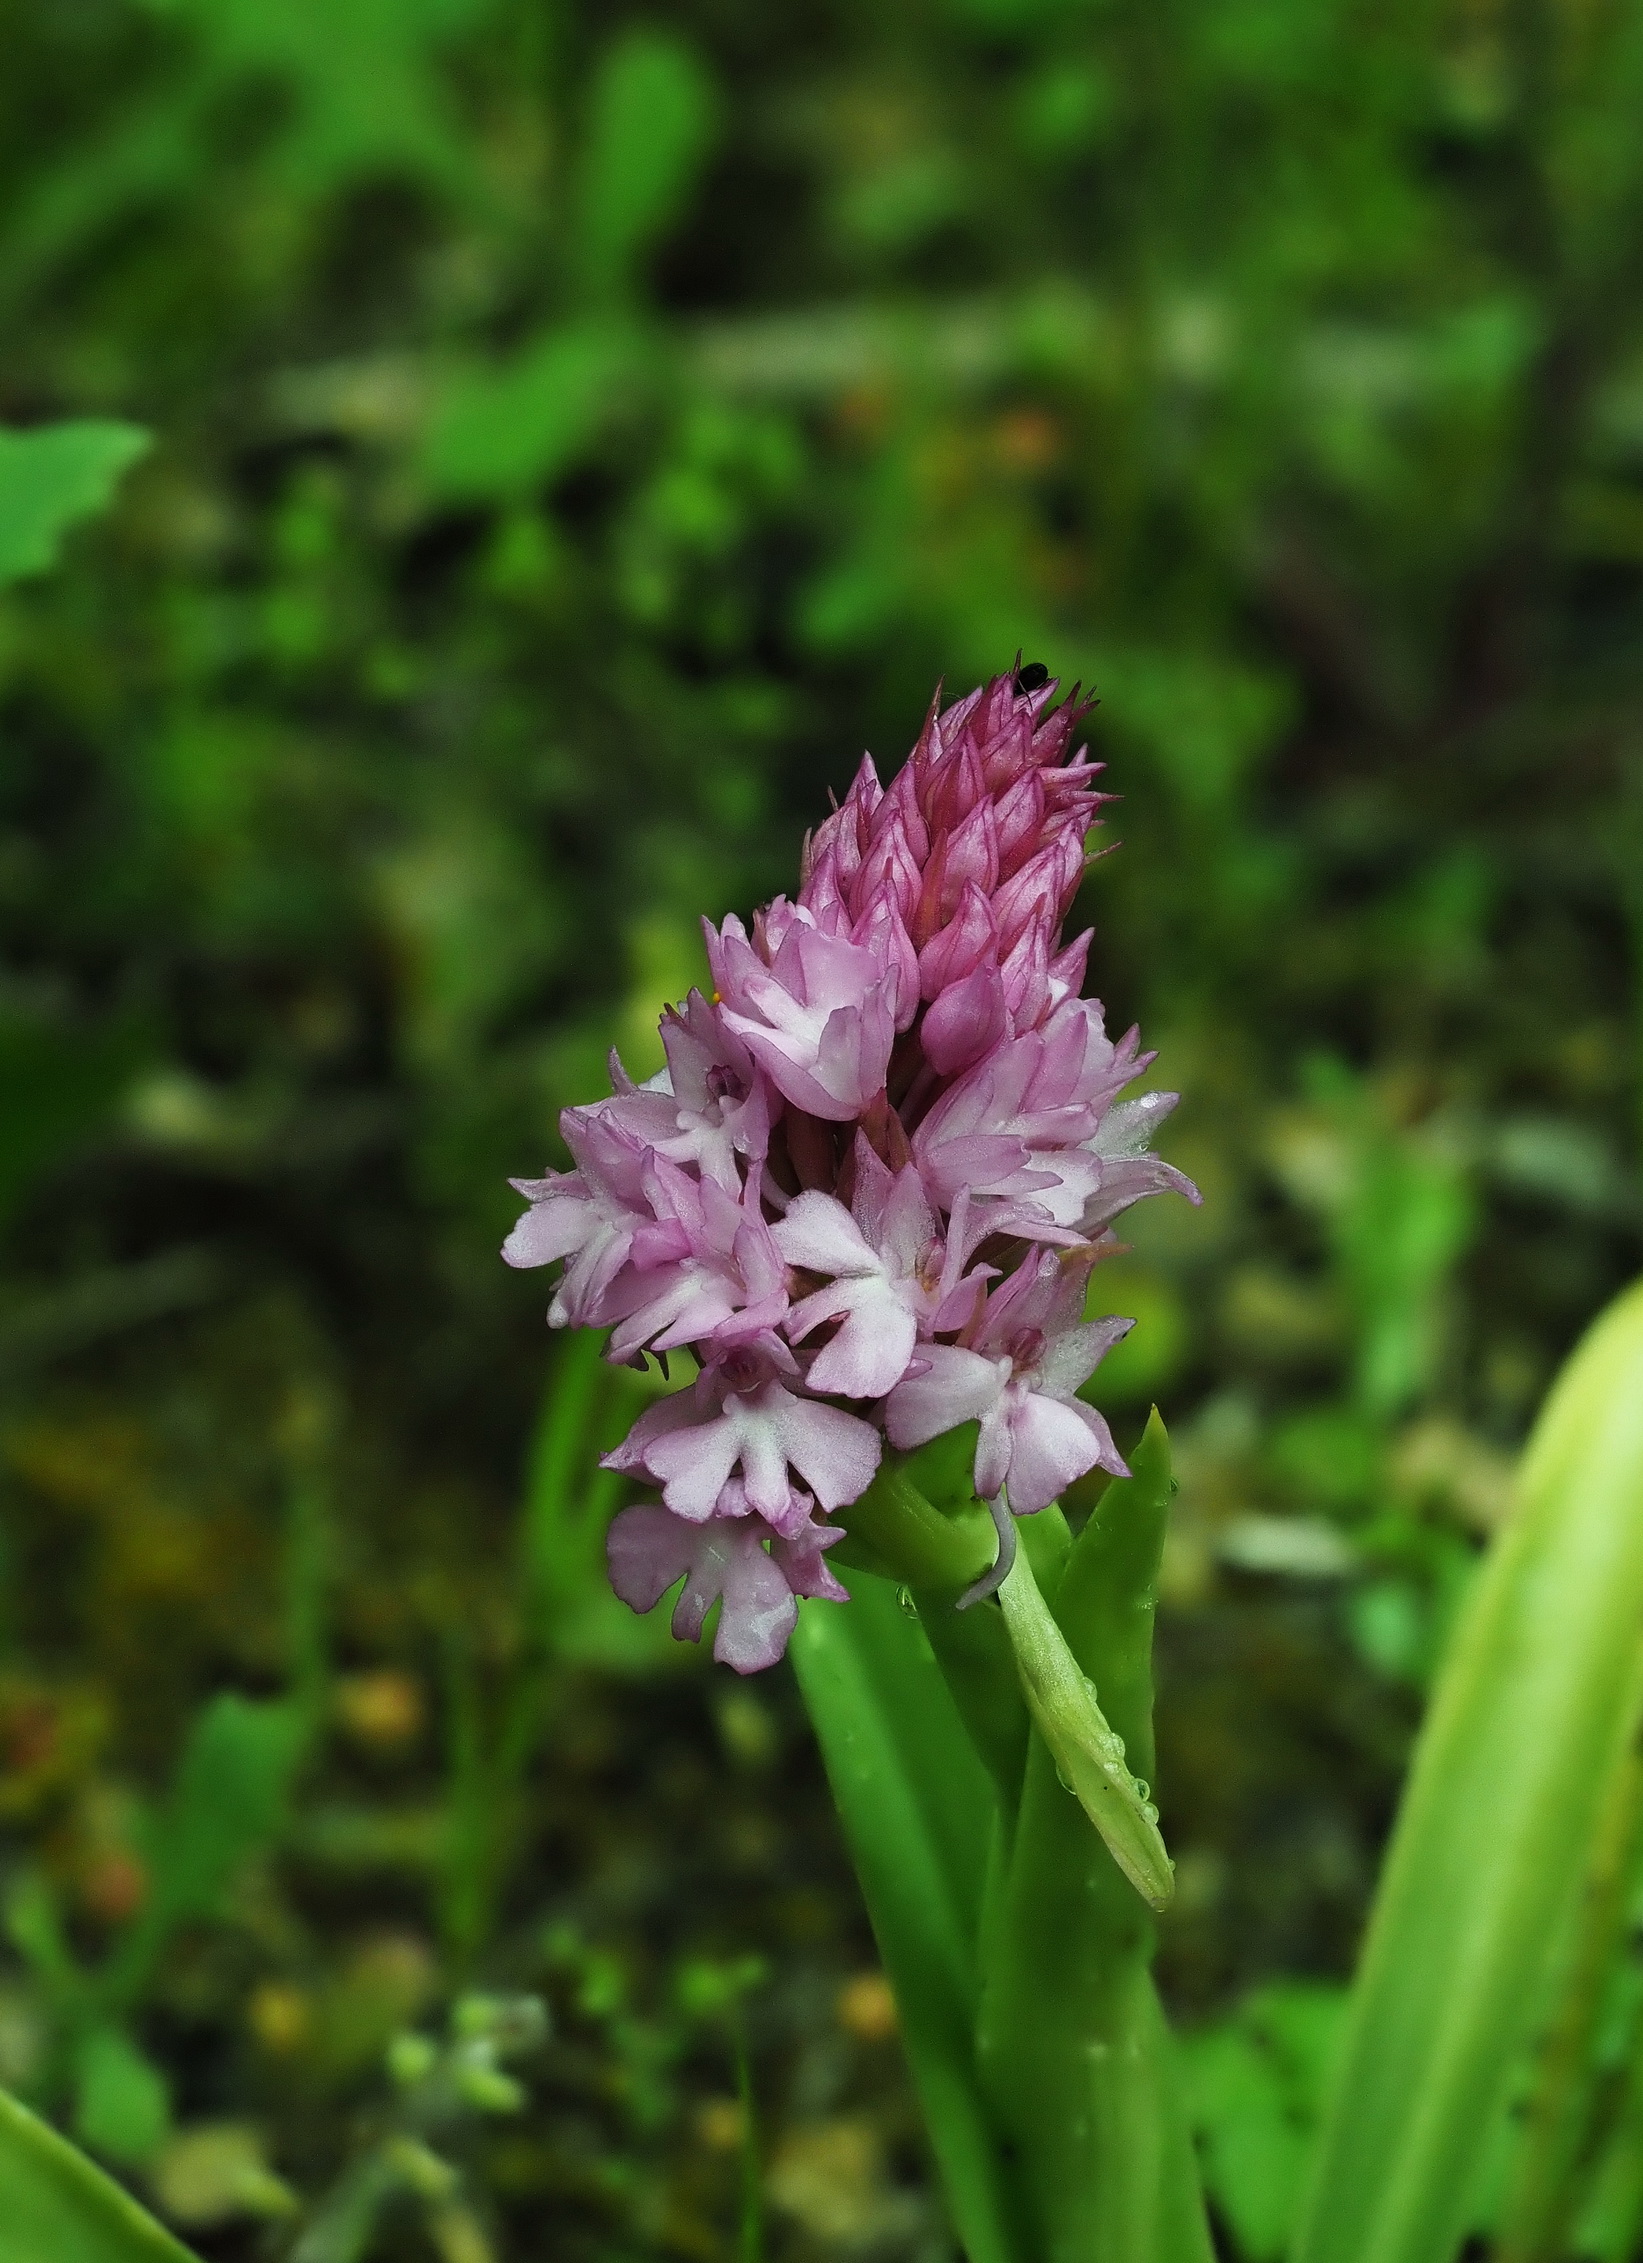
(868, 1189)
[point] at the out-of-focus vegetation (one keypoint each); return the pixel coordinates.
(576, 433)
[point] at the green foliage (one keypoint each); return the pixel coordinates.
(228, 1798)
(52, 477)
(1257, 2083)
(226, 1805)
(58, 1088)
(1534, 1712)
(122, 2106)
(1077, 2059)
(1013, 1932)
(502, 432)
(650, 117)
(917, 1811)
(438, 2087)
(60, 2209)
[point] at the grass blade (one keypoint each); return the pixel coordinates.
(1494, 1837)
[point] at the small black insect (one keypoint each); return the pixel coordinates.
(1031, 676)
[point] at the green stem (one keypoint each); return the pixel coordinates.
(1072, 2044)
(923, 1546)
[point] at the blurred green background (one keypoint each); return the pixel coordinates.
(577, 432)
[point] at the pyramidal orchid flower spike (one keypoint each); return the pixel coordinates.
(870, 1188)
(869, 1196)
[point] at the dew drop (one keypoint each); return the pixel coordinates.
(1149, 1811)
(904, 1596)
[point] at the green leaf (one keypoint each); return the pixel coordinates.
(227, 1801)
(1257, 2081)
(1530, 1715)
(652, 120)
(58, 2207)
(918, 1814)
(508, 429)
(1076, 2058)
(367, 95)
(58, 1086)
(122, 2102)
(1088, 1752)
(51, 477)
(978, 1665)
(34, 1926)
(1254, 2154)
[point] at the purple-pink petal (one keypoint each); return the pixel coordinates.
(1052, 1442)
(648, 1550)
(957, 1386)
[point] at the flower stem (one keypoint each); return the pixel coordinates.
(919, 1544)
(1073, 2047)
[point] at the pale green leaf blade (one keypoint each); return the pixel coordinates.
(228, 1800)
(508, 428)
(122, 2105)
(917, 1810)
(51, 477)
(653, 115)
(58, 2207)
(1531, 1710)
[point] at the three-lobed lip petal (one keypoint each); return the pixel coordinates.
(1028, 1357)
(650, 1550)
(693, 1443)
(891, 1274)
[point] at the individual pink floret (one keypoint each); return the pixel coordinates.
(1030, 1355)
(705, 1258)
(742, 1414)
(893, 1274)
(817, 1014)
(649, 1550)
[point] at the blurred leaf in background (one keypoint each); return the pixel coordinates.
(52, 477)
